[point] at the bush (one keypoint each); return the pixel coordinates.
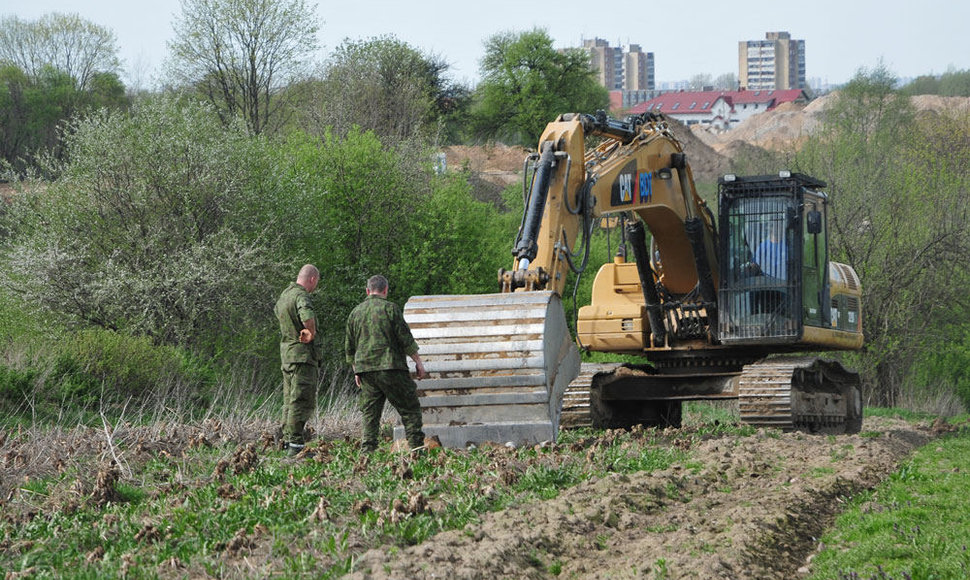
(151, 214)
(16, 384)
(946, 367)
(355, 207)
(459, 243)
(104, 365)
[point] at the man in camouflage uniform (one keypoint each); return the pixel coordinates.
(377, 341)
(300, 354)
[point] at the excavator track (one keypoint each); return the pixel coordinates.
(805, 394)
(575, 403)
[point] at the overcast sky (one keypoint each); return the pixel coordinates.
(687, 38)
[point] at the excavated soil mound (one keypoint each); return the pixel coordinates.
(502, 163)
(780, 129)
(741, 507)
(953, 105)
(786, 127)
(490, 168)
(706, 163)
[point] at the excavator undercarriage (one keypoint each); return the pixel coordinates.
(789, 393)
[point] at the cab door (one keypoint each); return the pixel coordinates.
(815, 303)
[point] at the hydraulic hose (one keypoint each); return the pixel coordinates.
(694, 228)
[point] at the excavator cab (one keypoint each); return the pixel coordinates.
(773, 258)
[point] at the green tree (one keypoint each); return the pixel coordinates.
(14, 137)
(862, 107)
(147, 229)
(922, 85)
(526, 84)
(51, 69)
(898, 185)
(386, 86)
(66, 42)
(32, 110)
(955, 84)
(239, 54)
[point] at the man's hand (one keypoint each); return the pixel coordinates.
(419, 371)
(357, 380)
(309, 331)
(419, 368)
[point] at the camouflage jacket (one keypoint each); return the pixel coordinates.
(292, 308)
(378, 338)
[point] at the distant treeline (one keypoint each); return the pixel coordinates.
(949, 84)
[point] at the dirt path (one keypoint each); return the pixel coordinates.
(742, 507)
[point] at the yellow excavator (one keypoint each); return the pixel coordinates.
(714, 311)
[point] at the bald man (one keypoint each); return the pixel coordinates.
(300, 354)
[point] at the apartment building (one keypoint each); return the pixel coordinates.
(775, 63)
(638, 69)
(618, 69)
(607, 61)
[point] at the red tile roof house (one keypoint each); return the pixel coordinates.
(719, 109)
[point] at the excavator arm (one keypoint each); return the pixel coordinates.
(639, 170)
(499, 364)
(638, 167)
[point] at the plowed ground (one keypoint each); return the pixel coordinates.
(741, 507)
(738, 506)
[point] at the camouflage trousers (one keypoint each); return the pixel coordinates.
(299, 399)
(398, 388)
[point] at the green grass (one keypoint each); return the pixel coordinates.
(898, 413)
(192, 513)
(916, 525)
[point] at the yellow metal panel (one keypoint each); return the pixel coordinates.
(828, 338)
(614, 342)
(617, 284)
(618, 326)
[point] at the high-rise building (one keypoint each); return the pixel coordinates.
(776, 63)
(632, 70)
(604, 60)
(638, 72)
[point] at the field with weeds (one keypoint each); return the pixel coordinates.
(217, 498)
(915, 525)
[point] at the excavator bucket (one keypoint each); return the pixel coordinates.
(498, 366)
